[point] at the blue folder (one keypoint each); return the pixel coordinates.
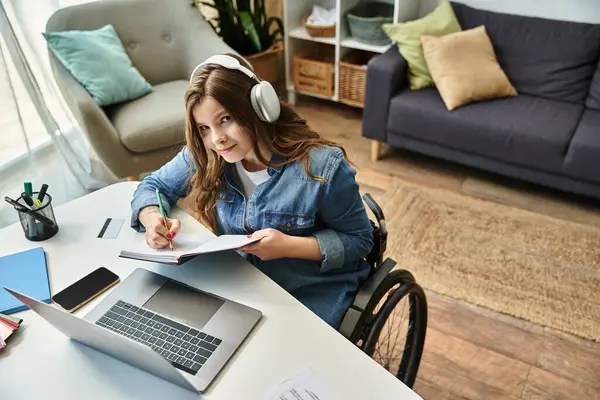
(25, 272)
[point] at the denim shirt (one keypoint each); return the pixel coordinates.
(295, 204)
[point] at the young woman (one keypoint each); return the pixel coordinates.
(252, 166)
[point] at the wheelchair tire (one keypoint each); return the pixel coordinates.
(415, 336)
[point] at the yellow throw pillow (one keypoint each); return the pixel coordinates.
(440, 21)
(464, 67)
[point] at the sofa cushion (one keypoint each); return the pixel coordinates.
(548, 58)
(152, 122)
(583, 157)
(464, 67)
(527, 130)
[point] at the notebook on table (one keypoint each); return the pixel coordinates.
(27, 272)
(186, 247)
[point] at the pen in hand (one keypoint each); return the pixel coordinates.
(164, 217)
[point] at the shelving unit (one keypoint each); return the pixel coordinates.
(298, 40)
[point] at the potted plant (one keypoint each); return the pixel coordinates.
(245, 27)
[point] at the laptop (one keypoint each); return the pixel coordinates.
(162, 326)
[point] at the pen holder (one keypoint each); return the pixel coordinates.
(34, 229)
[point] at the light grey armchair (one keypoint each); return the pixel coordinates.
(165, 40)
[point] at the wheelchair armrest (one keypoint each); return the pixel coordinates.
(377, 211)
(363, 297)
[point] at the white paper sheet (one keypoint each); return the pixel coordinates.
(304, 385)
(226, 242)
(192, 244)
(182, 244)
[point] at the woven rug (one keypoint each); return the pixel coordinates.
(532, 266)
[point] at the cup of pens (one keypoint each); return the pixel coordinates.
(35, 213)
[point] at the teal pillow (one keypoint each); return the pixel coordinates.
(98, 61)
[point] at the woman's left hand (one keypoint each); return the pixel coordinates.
(272, 245)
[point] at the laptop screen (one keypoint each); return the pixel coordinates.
(182, 303)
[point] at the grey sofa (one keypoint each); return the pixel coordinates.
(549, 134)
(165, 40)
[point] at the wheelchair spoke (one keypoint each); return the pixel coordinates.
(401, 321)
(390, 325)
(395, 345)
(388, 351)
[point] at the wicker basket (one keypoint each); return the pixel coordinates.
(353, 78)
(319, 30)
(365, 20)
(266, 63)
(314, 73)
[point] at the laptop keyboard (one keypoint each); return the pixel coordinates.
(185, 348)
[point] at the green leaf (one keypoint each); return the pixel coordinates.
(246, 18)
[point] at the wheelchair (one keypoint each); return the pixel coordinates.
(388, 298)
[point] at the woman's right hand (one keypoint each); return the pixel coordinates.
(157, 235)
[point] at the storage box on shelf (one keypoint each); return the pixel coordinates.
(314, 73)
(365, 20)
(353, 76)
(319, 31)
(298, 40)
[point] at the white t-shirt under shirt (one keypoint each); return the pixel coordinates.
(250, 180)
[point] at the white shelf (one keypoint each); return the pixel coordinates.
(301, 33)
(355, 44)
(297, 40)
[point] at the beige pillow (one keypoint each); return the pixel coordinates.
(464, 67)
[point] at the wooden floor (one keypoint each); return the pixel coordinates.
(472, 353)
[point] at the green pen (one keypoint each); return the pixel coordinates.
(164, 217)
(28, 188)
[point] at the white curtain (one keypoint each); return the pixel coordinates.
(21, 25)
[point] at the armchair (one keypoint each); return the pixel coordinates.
(165, 40)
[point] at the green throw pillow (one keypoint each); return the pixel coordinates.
(439, 22)
(98, 61)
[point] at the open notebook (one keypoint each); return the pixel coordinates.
(186, 247)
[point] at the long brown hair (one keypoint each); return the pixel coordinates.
(289, 137)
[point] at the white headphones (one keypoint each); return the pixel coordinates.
(262, 96)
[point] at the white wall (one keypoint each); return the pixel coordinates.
(569, 10)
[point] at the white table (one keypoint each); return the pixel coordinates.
(41, 363)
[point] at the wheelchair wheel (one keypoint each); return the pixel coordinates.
(395, 335)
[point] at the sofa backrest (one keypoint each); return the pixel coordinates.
(541, 57)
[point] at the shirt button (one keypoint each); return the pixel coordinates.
(288, 225)
(251, 203)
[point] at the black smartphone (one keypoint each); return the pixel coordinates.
(85, 289)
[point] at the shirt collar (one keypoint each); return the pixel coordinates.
(276, 159)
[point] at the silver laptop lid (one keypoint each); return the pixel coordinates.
(106, 341)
